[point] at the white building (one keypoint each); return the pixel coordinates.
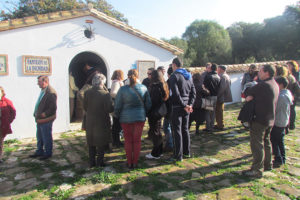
(57, 41)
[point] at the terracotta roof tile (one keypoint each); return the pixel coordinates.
(236, 68)
(63, 15)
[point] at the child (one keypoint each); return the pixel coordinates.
(282, 114)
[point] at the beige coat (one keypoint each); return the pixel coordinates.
(97, 104)
(224, 92)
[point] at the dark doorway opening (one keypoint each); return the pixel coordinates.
(82, 80)
(80, 60)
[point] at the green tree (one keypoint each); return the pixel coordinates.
(182, 44)
(246, 41)
(281, 34)
(207, 42)
(26, 8)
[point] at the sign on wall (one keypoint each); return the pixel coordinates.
(3, 65)
(142, 67)
(37, 65)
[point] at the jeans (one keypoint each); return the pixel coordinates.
(168, 133)
(277, 139)
(210, 116)
(44, 139)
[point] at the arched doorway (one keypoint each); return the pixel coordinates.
(77, 68)
(80, 60)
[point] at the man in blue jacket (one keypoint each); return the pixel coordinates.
(182, 97)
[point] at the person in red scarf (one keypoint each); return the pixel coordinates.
(7, 115)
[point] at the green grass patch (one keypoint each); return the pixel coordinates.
(190, 196)
(67, 135)
(7, 149)
(30, 196)
(106, 177)
(12, 141)
(57, 194)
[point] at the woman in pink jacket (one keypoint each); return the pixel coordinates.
(7, 115)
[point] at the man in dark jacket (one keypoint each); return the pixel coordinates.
(212, 83)
(146, 81)
(45, 114)
(182, 97)
(264, 95)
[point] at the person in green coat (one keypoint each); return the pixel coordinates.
(97, 104)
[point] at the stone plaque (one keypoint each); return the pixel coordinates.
(37, 65)
(3, 65)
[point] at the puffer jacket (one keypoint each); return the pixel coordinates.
(128, 106)
(282, 113)
(212, 83)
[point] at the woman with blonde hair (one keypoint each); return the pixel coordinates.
(117, 82)
(131, 105)
(7, 116)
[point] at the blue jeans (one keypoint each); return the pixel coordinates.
(44, 139)
(168, 133)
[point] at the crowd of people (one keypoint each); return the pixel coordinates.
(270, 95)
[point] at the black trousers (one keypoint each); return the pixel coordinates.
(292, 115)
(277, 140)
(180, 131)
(116, 129)
(96, 156)
(156, 136)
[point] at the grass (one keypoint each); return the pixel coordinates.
(230, 155)
(106, 177)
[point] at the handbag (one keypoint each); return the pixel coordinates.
(162, 110)
(209, 103)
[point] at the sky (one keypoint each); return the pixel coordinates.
(170, 18)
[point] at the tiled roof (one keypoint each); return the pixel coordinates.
(237, 68)
(64, 15)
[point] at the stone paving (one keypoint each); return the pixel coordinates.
(213, 171)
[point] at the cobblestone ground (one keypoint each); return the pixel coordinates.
(213, 171)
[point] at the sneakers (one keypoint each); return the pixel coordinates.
(252, 173)
(173, 160)
(186, 156)
(149, 156)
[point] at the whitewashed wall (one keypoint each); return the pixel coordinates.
(63, 41)
(236, 80)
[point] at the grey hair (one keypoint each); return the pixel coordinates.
(98, 80)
